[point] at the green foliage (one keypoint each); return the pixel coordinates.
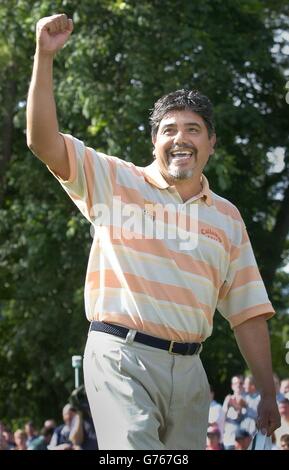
(121, 57)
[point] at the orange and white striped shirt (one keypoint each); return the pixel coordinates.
(166, 285)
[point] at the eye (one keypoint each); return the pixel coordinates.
(193, 129)
(168, 131)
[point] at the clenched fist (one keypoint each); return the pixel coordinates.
(52, 32)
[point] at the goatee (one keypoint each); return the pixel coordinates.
(180, 174)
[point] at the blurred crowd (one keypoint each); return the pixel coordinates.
(76, 432)
(231, 426)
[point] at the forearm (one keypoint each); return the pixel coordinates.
(42, 124)
(253, 340)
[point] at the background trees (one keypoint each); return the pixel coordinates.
(121, 57)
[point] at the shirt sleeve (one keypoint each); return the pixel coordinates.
(90, 179)
(243, 294)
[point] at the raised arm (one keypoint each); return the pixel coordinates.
(43, 136)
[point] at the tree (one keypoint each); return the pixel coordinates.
(122, 56)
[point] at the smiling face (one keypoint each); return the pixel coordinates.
(284, 388)
(237, 384)
(182, 145)
(249, 386)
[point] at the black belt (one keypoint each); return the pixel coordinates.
(185, 349)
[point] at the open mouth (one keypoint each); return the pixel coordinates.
(181, 155)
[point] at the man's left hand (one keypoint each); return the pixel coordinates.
(268, 419)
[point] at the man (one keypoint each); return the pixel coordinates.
(284, 388)
(252, 399)
(42, 441)
(216, 414)
(284, 442)
(20, 438)
(234, 408)
(242, 439)
(152, 283)
(67, 436)
(214, 438)
(277, 384)
(284, 424)
(31, 432)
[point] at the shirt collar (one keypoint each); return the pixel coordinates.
(153, 176)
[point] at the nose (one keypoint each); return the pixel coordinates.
(179, 138)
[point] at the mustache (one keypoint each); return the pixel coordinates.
(183, 147)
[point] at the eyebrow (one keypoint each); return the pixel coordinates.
(187, 124)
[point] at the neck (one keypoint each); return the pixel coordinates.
(213, 446)
(188, 188)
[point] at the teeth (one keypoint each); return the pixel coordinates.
(181, 154)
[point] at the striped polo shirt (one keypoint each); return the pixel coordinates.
(157, 264)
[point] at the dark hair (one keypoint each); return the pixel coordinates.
(191, 100)
(47, 432)
(241, 434)
(285, 439)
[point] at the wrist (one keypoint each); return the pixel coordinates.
(44, 55)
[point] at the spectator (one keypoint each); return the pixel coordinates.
(279, 395)
(252, 398)
(68, 436)
(7, 438)
(49, 424)
(235, 408)
(284, 388)
(79, 401)
(242, 439)
(41, 442)
(20, 438)
(89, 438)
(216, 415)
(3, 443)
(284, 442)
(214, 438)
(284, 413)
(251, 394)
(30, 432)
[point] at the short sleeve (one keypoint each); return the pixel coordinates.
(90, 179)
(243, 294)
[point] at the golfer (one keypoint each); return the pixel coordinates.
(167, 251)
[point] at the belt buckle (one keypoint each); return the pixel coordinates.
(171, 349)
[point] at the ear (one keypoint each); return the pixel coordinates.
(213, 140)
(154, 139)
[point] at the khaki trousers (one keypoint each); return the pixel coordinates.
(143, 397)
